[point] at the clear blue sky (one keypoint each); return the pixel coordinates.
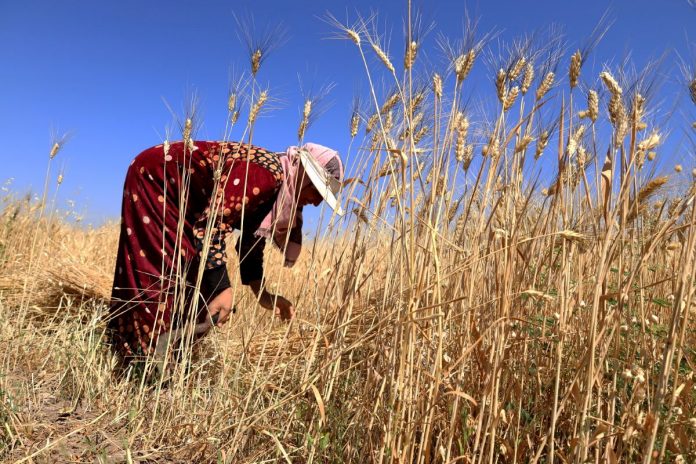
(101, 69)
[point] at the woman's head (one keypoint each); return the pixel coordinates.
(309, 195)
(312, 173)
(319, 176)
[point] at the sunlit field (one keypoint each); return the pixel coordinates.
(513, 281)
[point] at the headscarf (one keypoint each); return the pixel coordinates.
(284, 222)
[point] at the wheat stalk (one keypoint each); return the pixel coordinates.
(463, 64)
(437, 86)
(545, 85)
(410, 55)
(592, 105)
(528, 78)
(354, 124)
(574, 70)
(500, 85)
(381, 54)
(257, 106)
(510, 98)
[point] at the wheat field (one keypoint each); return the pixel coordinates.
(513, 282)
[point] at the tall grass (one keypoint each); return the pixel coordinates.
(514, 283)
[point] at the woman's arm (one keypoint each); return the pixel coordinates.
(250, 249)
(280, 305)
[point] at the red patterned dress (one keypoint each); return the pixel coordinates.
(169, 198)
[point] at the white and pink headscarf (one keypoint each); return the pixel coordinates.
(284, 222)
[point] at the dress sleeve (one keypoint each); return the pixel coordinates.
(215, 276)
(257, 194)
(250, 247)
(216, 279)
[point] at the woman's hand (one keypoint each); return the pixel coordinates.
(222, 305)
(281, 306)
